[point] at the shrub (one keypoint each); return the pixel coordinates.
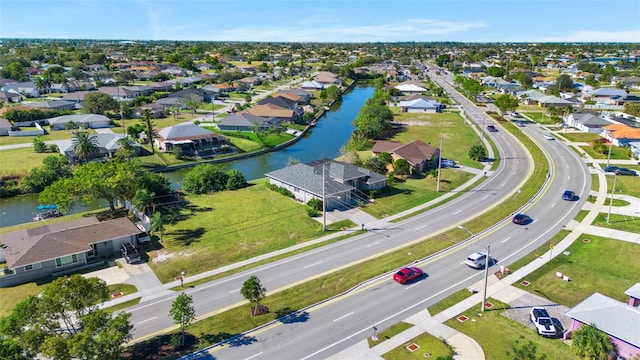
(236, 180)
(315, 203)
(312, 212)
(285, 192)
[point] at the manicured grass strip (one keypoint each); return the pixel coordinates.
(616, 153)
(615, 263)
(618, 222)
(449, 301)
(580, 137)
(124, 305)
(388, 333)
(20, 161)
(595, 182)
(628, 185)
(581, 215)
(429, 346)
(496, 334)
(542, 249)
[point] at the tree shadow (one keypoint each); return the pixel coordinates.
(188, 236)
(286, 316)
(241, 340)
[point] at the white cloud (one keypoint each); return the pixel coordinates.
(631, 36)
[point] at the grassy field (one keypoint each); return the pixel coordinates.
(20, 161)
(405, 194)
(449, 301)
(616, 272)
(496, 334)
(388, 333)
(457, 138)
(618, 222)
(49, 136)
(429, 347)
(538, 116)
(580, 137)
(616, 153)
(628, 185)
(226, 227)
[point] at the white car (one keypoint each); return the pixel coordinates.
(477, 260)
(549, 137)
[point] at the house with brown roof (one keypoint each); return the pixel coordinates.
(271, 110)
(328, 78)
(418, 154)
(62, 248)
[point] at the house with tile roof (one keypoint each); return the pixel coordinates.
(620, 134)
(419, 155)
(62, 248)
(621, 321)
(190, 138)
(340, 183)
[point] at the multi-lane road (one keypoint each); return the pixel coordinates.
(327, 328)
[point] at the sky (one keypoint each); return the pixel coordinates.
(345, 21)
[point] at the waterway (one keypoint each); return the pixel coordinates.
(324, 141)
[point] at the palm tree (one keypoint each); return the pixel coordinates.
(85, 145)
(142, 200)
(591, 343)
(127, 147)
(157, 224)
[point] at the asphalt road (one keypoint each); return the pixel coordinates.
(330, 327)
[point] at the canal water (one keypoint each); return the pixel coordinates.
(324, 141)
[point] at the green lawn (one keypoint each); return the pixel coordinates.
(429, 346)
(226, 227)
(49, 135)
(538, 116)
(388, 333)
(616, 153)
(405, 194)
(618, 222)
(628, 185)
(449, 301)
(496, 334)
(616, 272)
(20, 161)
(457, 138)
(580, 137)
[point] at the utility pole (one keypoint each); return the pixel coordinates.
(324, 203)
(486, 276)
(613, 189)
(439, 166)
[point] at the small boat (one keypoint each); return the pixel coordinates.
(52, 213)
(47, 207)
(327, 108)
(312, 124)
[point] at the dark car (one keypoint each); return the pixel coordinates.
(568, 195)
(611, 168)
(521, 219)
(407, 274)
(624, 171)
(492, 128)
(129, 253)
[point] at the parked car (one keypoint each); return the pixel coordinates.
(445, 163)
(624, 171)
(549, 137)
(542, 321)
(477, 260)
(407, 274)
(610, 168)
(516, 114)
(491, 128)
(521, 219)
(568, 195)
(129, 253)
(520, 123)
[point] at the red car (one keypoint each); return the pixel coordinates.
(407, 274)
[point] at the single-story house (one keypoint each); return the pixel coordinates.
(62, 248)
(77, 96)
(27, 88)
(530, 97)
(190, 137)
(587, 122)
(635, 148)
(339, 182)
(107, 145)
(243, 121)
(551, 100)
(83, 121)
(177, 102)
(420, 105)
(157, 110)
(418, 154)
(410, 89)
(327, 79)
(53, 105)
(312, 85)
(621, 321)
(304, 96)
(270, 110)
(620, 134)
(10, 97)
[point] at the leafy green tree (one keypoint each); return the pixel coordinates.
(375, 164)
(495, 71)
(385, 157)
(477, 152)
(402, 167)
(142, 199)
(600, 147)
(506, 103)
(99, 103)
(564, 83)
(65, 322)
(128, 147)
(39, 145)
(193, 103)
(155, 183)
(85, 145)
(15, 71)
(182, 312)
(205, 178)
(591, 343)
(236, 180)
(146, 119)
(253, 291)
(53, 168)
(472, 86)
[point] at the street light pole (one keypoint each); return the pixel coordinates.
(613, 188)
(486, 276)
(467, 230)
(609, 154)
(324, 203)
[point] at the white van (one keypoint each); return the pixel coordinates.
(477, 260)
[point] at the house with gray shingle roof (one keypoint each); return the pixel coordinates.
(62, 248)
(243, 121)
(107, 144)
(190, 138)
(621, 321)
(420, 105)
(587, 122)
(340, 183)
(83, 121)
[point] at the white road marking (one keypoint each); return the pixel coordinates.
(342, 317)
(420, 227)
(507, 239)
(457, 212)
(486, 196)
(233, 291)
(314, 264)
(373, 244)
(144, 321)
(252, 356)
(503, 184)
(410, 286)
(554, 204)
